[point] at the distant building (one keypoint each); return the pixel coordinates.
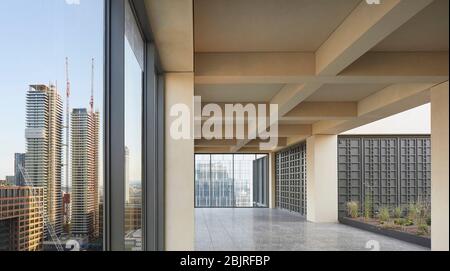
(127, 175)
(84, 197)
(43, 157)
(66, 211)
(21, 218)
(133, 217)
(11, 180)
(100, 218)
(19, 161)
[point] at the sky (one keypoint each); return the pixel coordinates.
(36, 36)
(413, 121)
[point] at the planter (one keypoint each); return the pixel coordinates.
(403, 236)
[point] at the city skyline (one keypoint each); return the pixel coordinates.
(31, 57)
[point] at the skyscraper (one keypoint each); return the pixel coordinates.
(43, 158)
(127, 175)
(19, 161)
(21, 220)
(84, 144)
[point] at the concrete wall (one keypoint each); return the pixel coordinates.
(179, 163)
(321, 175)
(439, 167)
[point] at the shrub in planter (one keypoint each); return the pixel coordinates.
(368, 207)
(422, 229)
(403, 222)
(384, 214)
(352, 209)
(398, 212)
(413, 211)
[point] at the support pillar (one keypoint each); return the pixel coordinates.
(321, 171)
(272, 176)
(179, 168)
(439, 167)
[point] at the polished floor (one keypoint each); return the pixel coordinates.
(273, 229)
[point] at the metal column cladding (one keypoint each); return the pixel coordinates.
(290, 181)
(392, 170)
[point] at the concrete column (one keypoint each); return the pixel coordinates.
(321, 171)
(272, 180)
(179, 168)
(439, 167)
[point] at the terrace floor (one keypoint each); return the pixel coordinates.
(273, 229)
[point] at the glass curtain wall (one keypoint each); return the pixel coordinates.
(243, 180)
(224, 180)
(134, 68)
(221, 180)
(202, 180)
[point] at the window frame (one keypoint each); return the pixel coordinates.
(265, 189)
(114, 130)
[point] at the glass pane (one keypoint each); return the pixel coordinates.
(243, 179)
(133, 132)
(222, 180)
(202, 180)
(51, 181)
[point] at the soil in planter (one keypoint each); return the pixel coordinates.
(413, 229)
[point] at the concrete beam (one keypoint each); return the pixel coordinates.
(322, 111)
(298, 68)
(224, 65)
(214, 143)
(173, 29)
(399, 64)
(389, 101)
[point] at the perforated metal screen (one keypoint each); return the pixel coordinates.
(290, 181)
(392, 170)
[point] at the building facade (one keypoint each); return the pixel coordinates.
(19, 161)
(43, 158)
(84, 143)
(21, 218)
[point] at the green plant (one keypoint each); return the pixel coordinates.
(403, 222)
(384, 214)
(413, 211)
(422, 229)
(429, 221)
(368, 207)
(352, 209)
(419, 212)
(398, 212)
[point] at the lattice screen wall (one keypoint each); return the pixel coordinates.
(290, 181)
(392, 170)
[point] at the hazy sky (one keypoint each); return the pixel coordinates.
(36, 36)
(413, 121)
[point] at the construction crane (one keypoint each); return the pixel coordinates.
(67, 127)
(47, 224)
(91, 102)
(67, 122)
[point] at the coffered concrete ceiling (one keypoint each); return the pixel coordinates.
(266, 25)
(344, 92)
(427, 31)
(329, 65)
